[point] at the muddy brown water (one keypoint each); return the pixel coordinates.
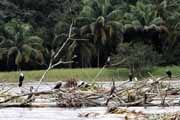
(67, 113)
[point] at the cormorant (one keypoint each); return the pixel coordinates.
(58, 85)
(130, 77)
(21, 78)
(169, 73)
(30, 95)
(113, 88)
(82, 84)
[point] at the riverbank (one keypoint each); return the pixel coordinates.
(86, 74)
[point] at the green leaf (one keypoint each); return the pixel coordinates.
(157, 21)
(33, 39)
(87, 11)
(100, 21)
(12, 50)
(115, 15)
(85, 29)
(27, 50)
(18, 59)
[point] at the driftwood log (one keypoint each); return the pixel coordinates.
(141, 93)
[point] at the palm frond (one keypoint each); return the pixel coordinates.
(27, 51)
(157, 21)
(12, 50)
(33, 39)
(18, 59)
(61, 27)
(115, 15)
(87, 11)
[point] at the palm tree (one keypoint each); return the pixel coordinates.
(143, 22)
(100, 23)
(20, 43)
(77, 46)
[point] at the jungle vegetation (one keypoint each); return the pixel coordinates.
(143, 32)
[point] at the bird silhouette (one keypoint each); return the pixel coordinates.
(83, 84)
(169, 73)
(58, 85)
(130, 77)
(113, 88)
(30, 95)
(21, 78)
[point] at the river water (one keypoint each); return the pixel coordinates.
(72, 114)
(66, 113)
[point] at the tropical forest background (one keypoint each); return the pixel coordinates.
(137, 34)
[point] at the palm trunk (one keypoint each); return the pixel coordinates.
(98, 58)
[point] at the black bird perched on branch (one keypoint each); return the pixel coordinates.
(113, 88)
(58, 85)
(130, 77)
(169, 73)
(83, 84)
(21, 78)
(30, 95)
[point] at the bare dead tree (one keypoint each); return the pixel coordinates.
(54, 57)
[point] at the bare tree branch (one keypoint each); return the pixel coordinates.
(51, 65)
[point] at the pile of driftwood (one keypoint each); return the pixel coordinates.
(142, 93)
(148, 92)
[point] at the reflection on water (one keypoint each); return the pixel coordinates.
(71, 114)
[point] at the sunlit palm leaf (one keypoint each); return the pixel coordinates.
(12, 51)
(26, 29)
(85, 29)
(18, 59)
(157, 21)
(39, 57)
(33, 39)
(27, 51)
(87, 12)
(115, 15)
(37, 46)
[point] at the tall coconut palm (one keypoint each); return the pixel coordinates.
(143, 21)
(101, 23)
(20, 43)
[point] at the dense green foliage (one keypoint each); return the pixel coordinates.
(146, 32)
